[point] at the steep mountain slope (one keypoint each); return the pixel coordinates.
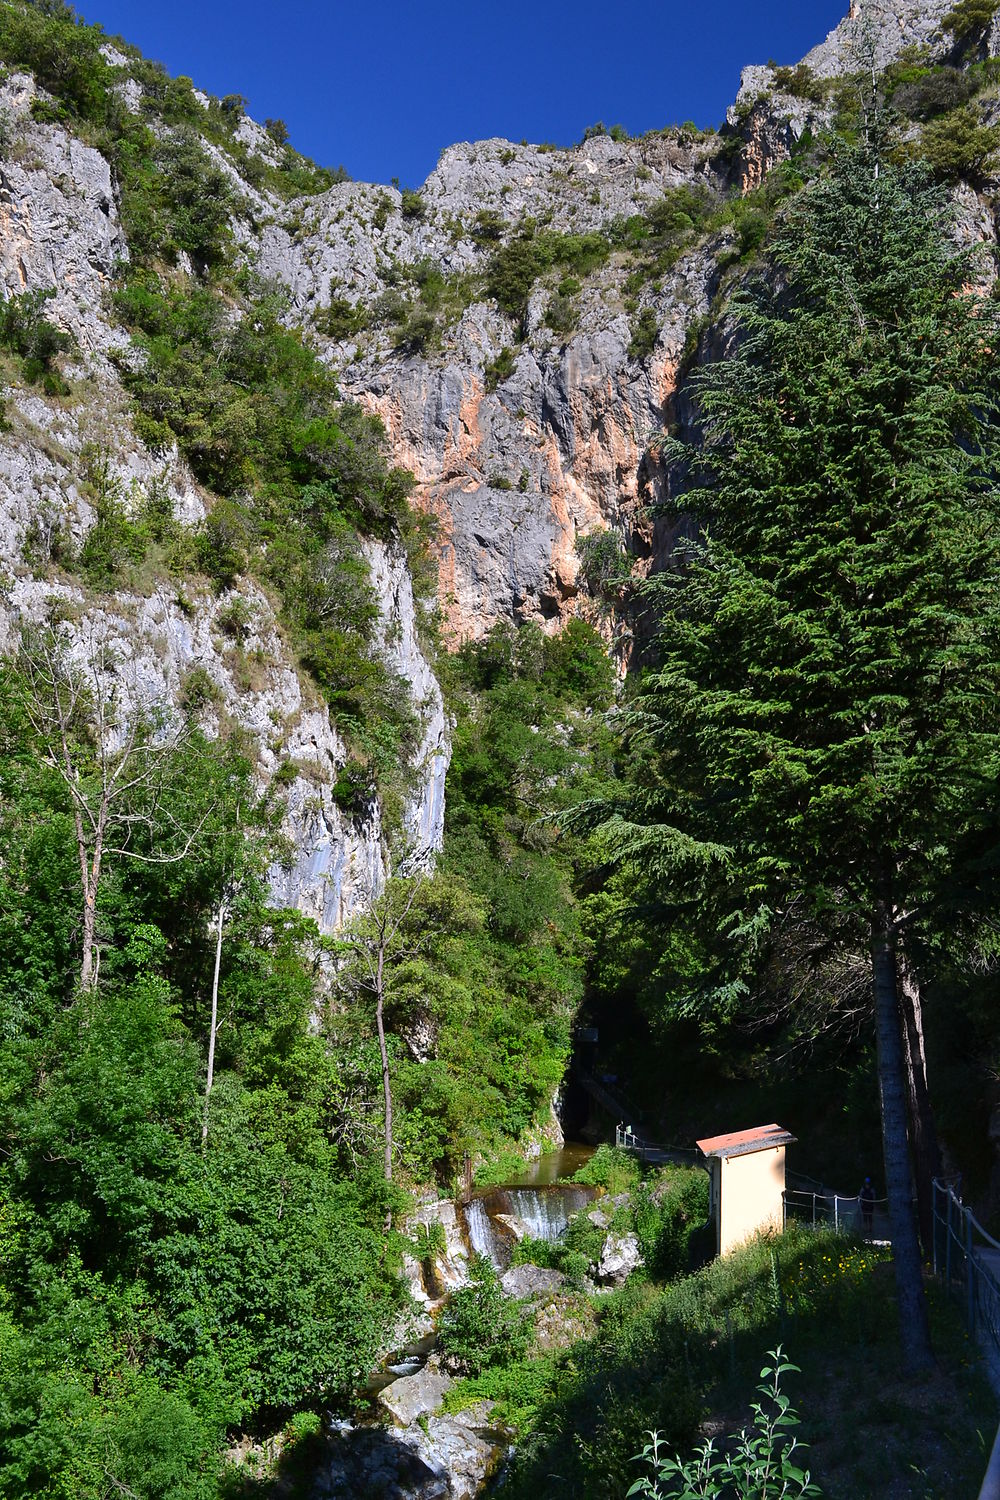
(519, 324)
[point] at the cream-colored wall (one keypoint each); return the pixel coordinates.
(752, 1186)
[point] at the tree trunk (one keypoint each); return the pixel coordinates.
(87, 977)
(213, 1028)
(892, 1092)
(386, 1090)
(926, 1152)
(90, 875)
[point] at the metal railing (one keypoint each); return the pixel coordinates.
(824, 1209)
(967, 1259)
(654, 1152)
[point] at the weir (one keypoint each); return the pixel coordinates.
(495, 1219)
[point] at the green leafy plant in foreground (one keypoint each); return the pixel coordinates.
(758, 1466)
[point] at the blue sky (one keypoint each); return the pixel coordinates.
(382, 86)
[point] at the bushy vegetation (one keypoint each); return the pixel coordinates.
(801, 83)
(485, 973)
(664, 1357)
(958, 145)
(26, 332)
(300, 474)
(968, 20)
(515, 267)
(160, 1289)
(480, 1328)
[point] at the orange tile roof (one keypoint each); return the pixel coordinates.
(742, 1142)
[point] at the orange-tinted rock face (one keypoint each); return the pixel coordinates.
(514, 477)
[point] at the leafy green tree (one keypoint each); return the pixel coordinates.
(823, 714)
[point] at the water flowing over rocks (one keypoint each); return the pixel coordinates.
(495, 1220)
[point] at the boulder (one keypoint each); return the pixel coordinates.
(464, 1447)
(619, 1258)
(529, 1281)
(413, 1396)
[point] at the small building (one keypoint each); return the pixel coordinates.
(747, 1176)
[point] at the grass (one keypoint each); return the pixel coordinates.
(684, 1357)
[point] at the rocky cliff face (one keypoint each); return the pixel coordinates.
(514, 468)
(525, 428)
(60, 455)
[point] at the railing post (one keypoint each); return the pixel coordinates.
(970, 1276)
(947, 1245)
(934, 1224)
(836, 1213)
(814, 1210)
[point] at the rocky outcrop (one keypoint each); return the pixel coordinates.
(876, 32)
(60, 232)
(513, 468)
(521, 439)
(415, 1396)
(445, 1458)
(620, 1256)
(59, 224)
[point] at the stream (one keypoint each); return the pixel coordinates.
(423, 1456)
(537, 1204)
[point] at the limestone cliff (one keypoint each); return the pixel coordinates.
(527, 424)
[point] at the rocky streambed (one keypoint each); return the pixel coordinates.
(406, 1448)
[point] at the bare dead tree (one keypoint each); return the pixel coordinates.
(116, 758)
(213, 1029)
(376, 943)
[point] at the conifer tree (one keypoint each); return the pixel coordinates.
(830, 633)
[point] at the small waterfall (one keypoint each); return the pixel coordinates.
(484, 1237)
(544, 1213)
(499, 1217)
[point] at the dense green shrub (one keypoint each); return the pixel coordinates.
(800, 82)
(341, 319)
(412, 204)
(488, 227)
(959, 145)
(604, 563)
(515, 267)
(667, 1213)
(562, 315)
(481, 1327)
(156, 1292)
(969, 19)
(25, 331)
(500, 369)
(614, 1170)
(645, 331)
(934, 91)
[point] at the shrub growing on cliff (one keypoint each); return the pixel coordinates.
(25, 331)
(500, 369)
(959, 145)
(968, 20)
(645, 331)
